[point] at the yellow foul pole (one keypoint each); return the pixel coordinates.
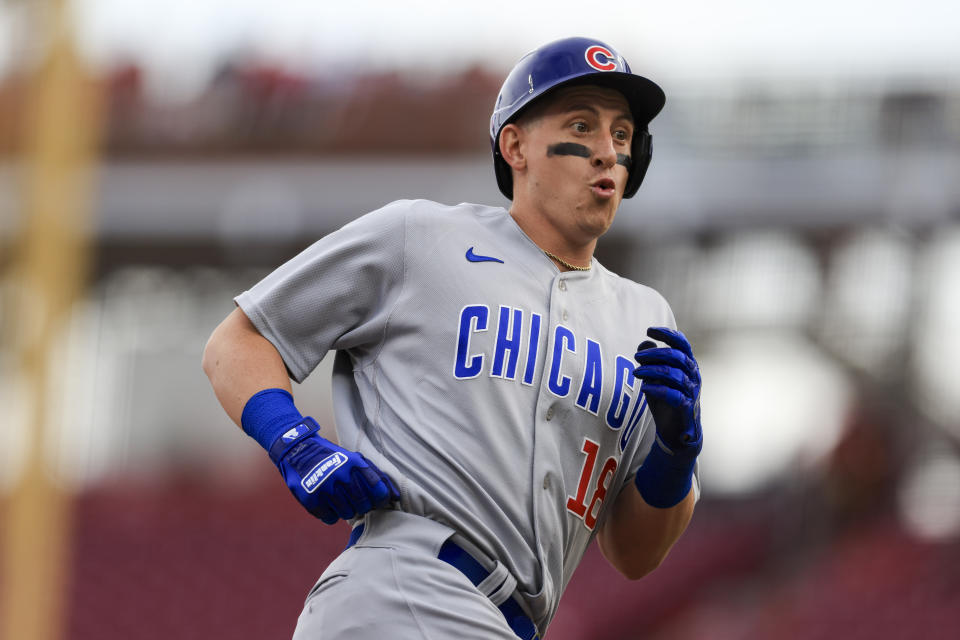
(49, 270)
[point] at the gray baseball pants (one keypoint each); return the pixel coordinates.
(391, 584)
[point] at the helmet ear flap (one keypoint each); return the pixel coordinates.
(642, 149)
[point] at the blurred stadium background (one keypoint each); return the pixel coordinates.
(802, 214)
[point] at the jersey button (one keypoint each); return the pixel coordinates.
(563, 285)
(546, 481)
(549, 415)
(565, 316)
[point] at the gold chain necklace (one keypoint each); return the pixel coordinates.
(567, 264)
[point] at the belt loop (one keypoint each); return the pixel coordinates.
(505, 591)
(499, 585)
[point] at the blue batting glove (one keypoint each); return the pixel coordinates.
(671, 384)
(329, 481)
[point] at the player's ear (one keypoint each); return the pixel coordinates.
(511, 147)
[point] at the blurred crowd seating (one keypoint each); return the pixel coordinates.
(262, 110)
(252, 108)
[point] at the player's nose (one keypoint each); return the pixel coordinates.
(604, 151)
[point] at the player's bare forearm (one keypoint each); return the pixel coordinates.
(637, 537)
(240, 362)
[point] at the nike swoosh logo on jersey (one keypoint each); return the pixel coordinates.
(472, 257)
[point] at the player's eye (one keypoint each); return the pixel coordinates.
(621, 135)
(580, 126)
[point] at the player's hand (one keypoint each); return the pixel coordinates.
(329, 481)
(671, 384)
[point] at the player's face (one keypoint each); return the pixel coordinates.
(577, 153)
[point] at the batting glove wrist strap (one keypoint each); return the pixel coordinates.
(289, 438)
(267, 415)
(664, 479)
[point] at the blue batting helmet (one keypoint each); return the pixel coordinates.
(568, 62)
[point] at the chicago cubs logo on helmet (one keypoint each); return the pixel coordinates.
(600, 58)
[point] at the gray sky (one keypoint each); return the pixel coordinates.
(181, 41)
(692, 36)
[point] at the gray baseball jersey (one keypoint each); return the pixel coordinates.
(495, 390)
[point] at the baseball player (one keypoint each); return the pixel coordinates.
(494, 412)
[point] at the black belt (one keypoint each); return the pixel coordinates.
(453, 554)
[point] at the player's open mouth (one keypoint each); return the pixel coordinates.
(604, 187)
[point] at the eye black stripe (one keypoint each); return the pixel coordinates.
(580, 151)
(568, 149)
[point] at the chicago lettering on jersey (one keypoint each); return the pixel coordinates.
(515, 358)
